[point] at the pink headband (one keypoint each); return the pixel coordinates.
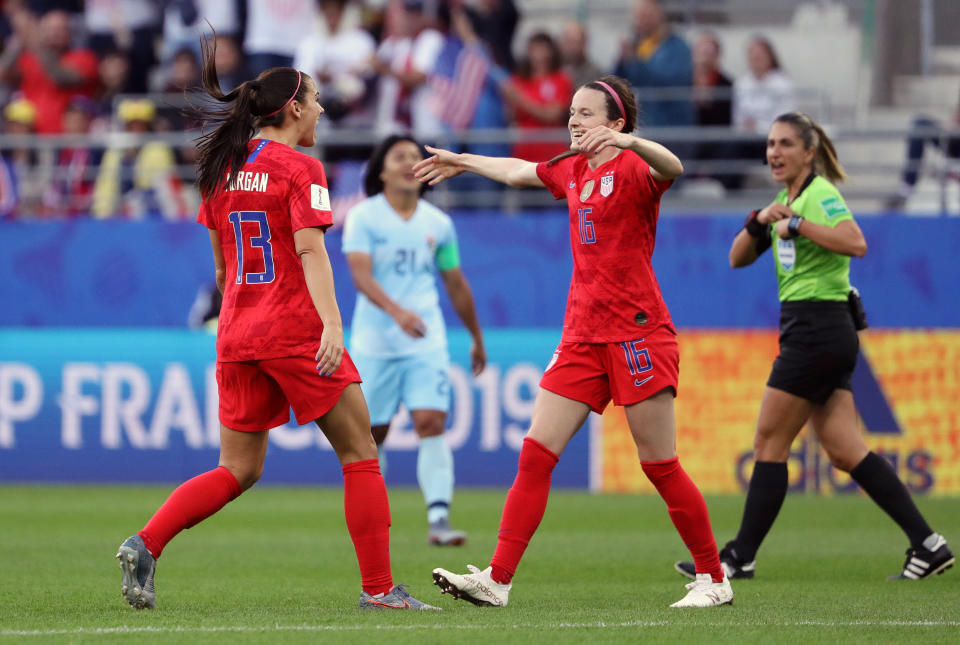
(299, 78)
(616, 97)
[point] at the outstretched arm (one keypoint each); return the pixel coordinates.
(663, 163)
(444, 164)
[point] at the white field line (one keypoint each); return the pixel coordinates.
(185, 629)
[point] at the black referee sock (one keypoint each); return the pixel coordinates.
(878, 479)
(768, 488)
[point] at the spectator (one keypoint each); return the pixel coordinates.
(141, 180)
(759, 97)
(338, 58)
(404, 60)
(113, 69)
(494, 22)
(539, 94)
(129, 26)
(185, 22)
(658, 60)
(576, 63)
(25, 170)
(231, 67)
(70, 191)
(274, 31)
(184, 72)
(40, 60)
(712, 90)
(763, 93)
(946, 138)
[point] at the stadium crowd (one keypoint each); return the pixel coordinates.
(433, 68)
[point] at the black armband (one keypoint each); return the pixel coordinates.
(753, 227)
(793, 226)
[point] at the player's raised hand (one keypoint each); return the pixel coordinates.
(411, 323)
(331, 350)
(442, 164)
(599, 137)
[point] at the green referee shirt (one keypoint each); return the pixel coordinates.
(806, 270)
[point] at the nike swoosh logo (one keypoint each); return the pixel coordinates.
(638, 382)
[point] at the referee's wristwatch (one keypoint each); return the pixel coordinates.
(793, 226)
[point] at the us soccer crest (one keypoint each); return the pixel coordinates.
(606, 185)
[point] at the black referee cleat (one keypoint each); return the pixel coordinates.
(924, 563)
(735, 568)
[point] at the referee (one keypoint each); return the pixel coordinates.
(814, 235)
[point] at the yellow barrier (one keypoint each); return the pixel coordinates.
(722, 377)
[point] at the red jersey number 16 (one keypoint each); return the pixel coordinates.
(587, 234)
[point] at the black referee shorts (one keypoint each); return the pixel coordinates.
(818, 349)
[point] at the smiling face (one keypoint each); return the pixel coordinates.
(786, 154)
(310, 111)
(397, 173)
(587, 110)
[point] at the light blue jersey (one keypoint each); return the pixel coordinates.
(405, 256)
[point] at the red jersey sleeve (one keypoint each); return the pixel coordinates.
(553, 177)
(642, 168)
(204, 216)
(83, 62)
(310, 198)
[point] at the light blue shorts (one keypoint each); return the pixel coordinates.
(419, 381)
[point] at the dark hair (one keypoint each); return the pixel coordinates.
(556, 58)
(825, 160)
(250, 106)
(625, 93)
(372, 184)
(767, 47)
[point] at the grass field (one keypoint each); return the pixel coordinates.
(277, 566)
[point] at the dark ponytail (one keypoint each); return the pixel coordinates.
(627, 99)
(250, 106)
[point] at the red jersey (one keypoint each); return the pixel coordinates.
(267, 311)
(614, 294)
(50, 99)
(542, 90)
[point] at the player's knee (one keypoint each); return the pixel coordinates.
(769, 444)
(432, 427)
(246, 475)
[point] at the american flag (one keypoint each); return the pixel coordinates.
(457, 80)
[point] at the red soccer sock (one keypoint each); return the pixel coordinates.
(523, 510)
(368, 520)
(688, 512)
(192, 502)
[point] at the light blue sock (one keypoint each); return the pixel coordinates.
(435, 475)
(382, 459)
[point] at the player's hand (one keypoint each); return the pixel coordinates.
(443, 164)
(411, 323)
(782, 231)
(599, 137)
(478, 357)
(331, 350)
(774, 213)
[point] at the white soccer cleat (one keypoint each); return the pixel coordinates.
(476, 587)
(704, 592)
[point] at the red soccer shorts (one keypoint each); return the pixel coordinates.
(627, 372)
(258, 395)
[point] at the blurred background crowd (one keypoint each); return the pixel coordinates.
(94, 93)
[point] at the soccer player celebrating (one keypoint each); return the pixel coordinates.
(393, 241)
(618, 340)
(814, 235)
(267, 208)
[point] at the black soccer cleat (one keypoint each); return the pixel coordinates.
(735, 568)
(925, 563)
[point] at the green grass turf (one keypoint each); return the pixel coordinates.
(277, 566)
